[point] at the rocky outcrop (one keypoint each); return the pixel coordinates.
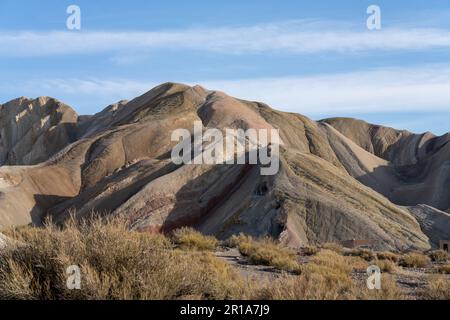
(434, 223)
(120, 164)
(33, 130)
(412, 168)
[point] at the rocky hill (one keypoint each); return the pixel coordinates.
(339, 179)
(33, 130)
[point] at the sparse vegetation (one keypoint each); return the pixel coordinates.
(389, 290)
(414, 260)
(332, 260)
(188, 238)
(357, 263)
(117, 263)
(386, 266)
(438, 256)
(365, 254)
(438, 289)
(266, 252)
(310, 250)
(327, 276)
(390, 256)
(444, 269)
(336, 247)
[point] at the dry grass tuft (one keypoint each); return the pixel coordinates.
(386, 266)
(439, 256)
(438, 289)
(390, 256)
(336, 247)
(444, 269)
(266, 252)
(414, 260)
(310, 250)
(326, 277)
(115, 264)
(389, 290)
(357, 263)
(188, 238)
(365, 254)
(332, 260)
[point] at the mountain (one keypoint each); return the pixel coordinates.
(32, 130)
(416, 168)
(339, 179)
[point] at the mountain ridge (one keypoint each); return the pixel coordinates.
(330, 186)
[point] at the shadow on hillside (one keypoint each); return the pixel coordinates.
(406, 189)
(42, 202)
(113, 201)
(198, 198)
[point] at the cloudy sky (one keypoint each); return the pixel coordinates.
(312, 57)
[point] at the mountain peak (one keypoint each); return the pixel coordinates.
(344, 180)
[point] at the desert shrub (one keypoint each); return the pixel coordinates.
(188, 238)
(308, 286)
(326, 276)
(438, 288)
(386, 266)
(390, 256)
(438, 256)
(389, 290)
(265, 252)
(356, 263)
(115, 264)
(314, 286)
(331, 260)
(414, 260)
(235, 240)
(310, 250)
(336, 247)
(444, 269)
(365, 254)
(361, 263)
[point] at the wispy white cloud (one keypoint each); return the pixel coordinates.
(304, 37)
(90, 86)
(416, 89)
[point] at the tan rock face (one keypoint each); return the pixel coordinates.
(120, 164)
(33, 130)
(413, 168)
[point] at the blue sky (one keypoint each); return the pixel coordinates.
(311, 57)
